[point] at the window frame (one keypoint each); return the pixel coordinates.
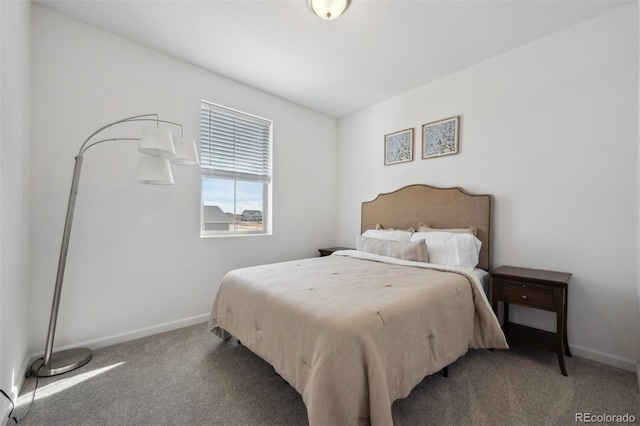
(207, 172)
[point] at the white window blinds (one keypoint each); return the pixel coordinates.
(234, 145)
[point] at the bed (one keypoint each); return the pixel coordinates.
(354, 331)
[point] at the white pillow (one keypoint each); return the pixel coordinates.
(406, 250)
(388, 234)
(453, 249)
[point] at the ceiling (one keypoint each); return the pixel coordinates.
(376, 50)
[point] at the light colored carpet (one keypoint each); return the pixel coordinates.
(189, 377)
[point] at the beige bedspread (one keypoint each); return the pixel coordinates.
(352, 333)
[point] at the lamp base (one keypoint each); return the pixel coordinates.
(62, 362)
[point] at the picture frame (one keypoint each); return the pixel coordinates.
(398, 147)
(440, 138)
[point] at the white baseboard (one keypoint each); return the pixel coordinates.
(592, 354)
(605, 358)
(134, 334)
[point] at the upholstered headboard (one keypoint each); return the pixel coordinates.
(436, 207)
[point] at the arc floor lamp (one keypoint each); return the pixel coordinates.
(159, 149)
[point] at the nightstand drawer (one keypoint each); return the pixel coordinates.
(527, 297)
(523, 285)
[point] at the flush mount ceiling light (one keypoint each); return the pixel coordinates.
(329, 9)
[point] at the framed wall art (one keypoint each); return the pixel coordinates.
(440, 137)
(398, 147)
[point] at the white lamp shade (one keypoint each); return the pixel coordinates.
(157, 141)
(154, 170)
(328, 9)
(186, 152)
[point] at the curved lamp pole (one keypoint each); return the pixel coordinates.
(158, 146)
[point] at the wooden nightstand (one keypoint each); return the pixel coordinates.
(537, 289)
(328, 251)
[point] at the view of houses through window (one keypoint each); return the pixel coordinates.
(230, 205)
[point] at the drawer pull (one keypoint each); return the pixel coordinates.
(524, 296)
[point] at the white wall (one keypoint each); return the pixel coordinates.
(136, 260)
(551, 130)
(15, 30)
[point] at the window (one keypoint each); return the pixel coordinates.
(235, 151)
